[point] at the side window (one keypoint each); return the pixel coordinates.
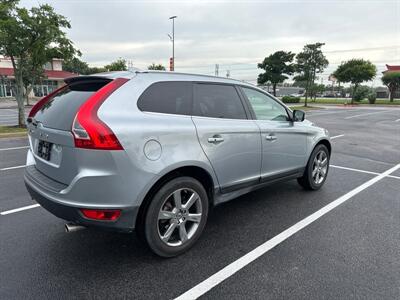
(168, 97)
(217, 101)
(265, 107)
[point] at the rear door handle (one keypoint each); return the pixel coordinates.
(271, 137)
(215, 139)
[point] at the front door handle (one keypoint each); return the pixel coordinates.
(215, 139)
(271, 137)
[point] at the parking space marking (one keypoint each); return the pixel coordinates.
(9, 110)
(7, 212)
(356, 170)
(336, 136)
(12, 168)
(361, 171)
(8, 118)
(215, 279)
(367, 114)
(398, 120)
(14, 148)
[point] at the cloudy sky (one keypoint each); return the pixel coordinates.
(234, 34)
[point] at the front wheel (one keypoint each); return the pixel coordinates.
(316, 170)
(176, 216)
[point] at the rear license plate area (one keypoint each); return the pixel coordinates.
(44, 150)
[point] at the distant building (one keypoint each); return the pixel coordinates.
(382, 92)
(53, 71)
(391, 69)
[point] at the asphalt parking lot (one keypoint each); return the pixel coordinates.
(280, 242)
(9, 116)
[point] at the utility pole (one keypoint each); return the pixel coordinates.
(216, 69)
(172, 64)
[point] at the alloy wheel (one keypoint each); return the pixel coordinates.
(179, 217)
(320, 167)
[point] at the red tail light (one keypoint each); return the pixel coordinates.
(89, 131)
(43, 101)
(101, 214)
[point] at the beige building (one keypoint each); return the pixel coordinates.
(53, 71)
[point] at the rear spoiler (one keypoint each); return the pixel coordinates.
(76, 79)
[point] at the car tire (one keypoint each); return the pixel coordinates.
(316, 170)
(176, 216)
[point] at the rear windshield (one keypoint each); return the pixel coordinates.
(59, 112)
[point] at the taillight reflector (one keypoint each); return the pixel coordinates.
(89, 131)
(101, 214)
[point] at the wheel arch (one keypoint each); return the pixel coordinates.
(326, 143)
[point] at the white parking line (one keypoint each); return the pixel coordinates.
(14, 148)
(336, 136)
(7, 212)
(209, 283)
(12, 168)
(8, 118)
(361, 171)
(356, 170)
(10, 110)
(398, 120)
(367, 114)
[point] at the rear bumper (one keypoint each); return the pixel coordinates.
(49, 194)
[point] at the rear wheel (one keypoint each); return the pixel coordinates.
(317, 169)
(176, 216)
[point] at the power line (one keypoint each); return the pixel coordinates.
(331, 63)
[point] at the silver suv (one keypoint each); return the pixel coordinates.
(153, 151)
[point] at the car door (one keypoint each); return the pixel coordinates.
(284, 143)
(229, 139)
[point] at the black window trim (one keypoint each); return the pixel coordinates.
(247, 112)
(253, 114)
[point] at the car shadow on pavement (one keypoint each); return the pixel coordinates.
(233, 229)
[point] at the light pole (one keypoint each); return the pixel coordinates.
(172, 65)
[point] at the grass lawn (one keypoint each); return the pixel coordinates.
(348, 101)
(10, 131)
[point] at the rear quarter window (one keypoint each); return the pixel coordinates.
(169, 97)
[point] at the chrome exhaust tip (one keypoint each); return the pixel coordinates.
(70, 227)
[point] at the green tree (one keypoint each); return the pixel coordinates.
(315, 89)
(77, 66)
(309, 63)
(355, 71)
(277, 67)
(95, 70)
(32, 73)
(118, 65)
(34, 35)
(392, 81)
(159, 67)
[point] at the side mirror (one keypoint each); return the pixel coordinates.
(298, 116)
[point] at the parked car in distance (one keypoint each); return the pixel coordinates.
(153, 151)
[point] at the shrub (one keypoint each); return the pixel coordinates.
(361, 93)
(290, 99)
(372, 98)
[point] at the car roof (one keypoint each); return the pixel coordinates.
(159, 76)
